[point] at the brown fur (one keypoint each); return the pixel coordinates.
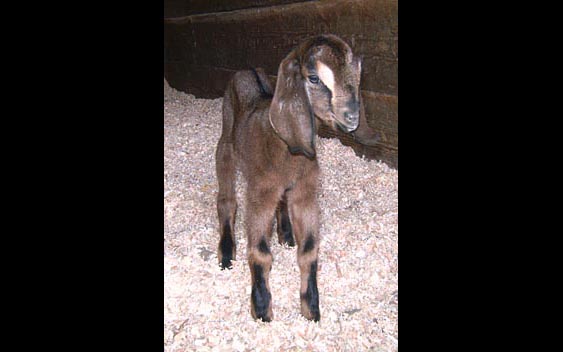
(271, 140)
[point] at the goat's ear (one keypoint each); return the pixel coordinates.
(291, 114)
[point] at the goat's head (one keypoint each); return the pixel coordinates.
(320, 77)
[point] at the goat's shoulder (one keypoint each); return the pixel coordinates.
(255, 134)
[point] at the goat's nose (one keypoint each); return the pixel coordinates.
(351, 116)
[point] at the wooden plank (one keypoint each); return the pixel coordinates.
(216, 78)
(178, 43)
(178, 75)
(262, 37)
(180, 8)
(383, 115)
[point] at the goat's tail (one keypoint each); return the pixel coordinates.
(243, 91)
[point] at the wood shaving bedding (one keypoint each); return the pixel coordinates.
(206, 309)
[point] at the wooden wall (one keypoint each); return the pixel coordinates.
(205, 42)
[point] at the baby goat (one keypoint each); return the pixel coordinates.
(270, 137)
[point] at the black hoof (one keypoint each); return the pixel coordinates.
(226, 247)
(226, 263)
(288, 239)
(285, 230)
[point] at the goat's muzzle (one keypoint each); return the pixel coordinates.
(350, 122)
(352, 119)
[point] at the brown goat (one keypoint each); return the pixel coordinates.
(271, 139)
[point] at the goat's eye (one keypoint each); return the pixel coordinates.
(314, 79)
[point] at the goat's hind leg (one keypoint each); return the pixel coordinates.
(283, 228)
(226, 204)
(226, 178)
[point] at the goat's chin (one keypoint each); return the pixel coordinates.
(339, 126)
(346, 128)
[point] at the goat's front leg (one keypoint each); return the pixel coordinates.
(304, 212)
(261, 206)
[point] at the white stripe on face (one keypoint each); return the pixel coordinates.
(326, 75)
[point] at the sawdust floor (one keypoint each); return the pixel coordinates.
(206, 309)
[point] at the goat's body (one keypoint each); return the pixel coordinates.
(261, 153)
(257, 148)
(270, 137)
(279, 184)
